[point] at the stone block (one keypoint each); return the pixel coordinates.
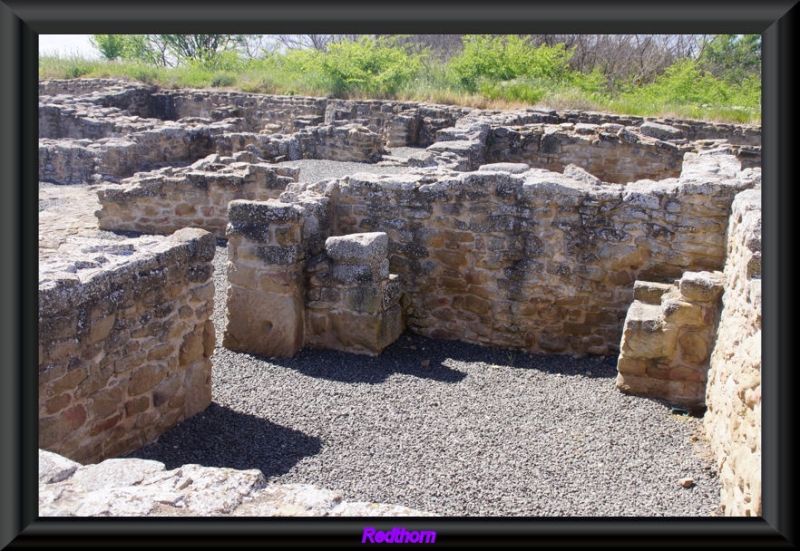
(701, 286)
(366, 333)
(367, 298)
(264, 324)
(358, 248)
(684, 313)
(694, 348)
(650, 292)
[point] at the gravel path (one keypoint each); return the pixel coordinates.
(447, 427)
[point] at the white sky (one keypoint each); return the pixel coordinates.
(67, 44)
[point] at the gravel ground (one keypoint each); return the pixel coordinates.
(447, 427)
(314, 170)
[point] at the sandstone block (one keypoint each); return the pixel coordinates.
(660, 131)
(701, 286)
(683, 313)
(694, 348)
(265, 324)
(359, 248)
(649, 292)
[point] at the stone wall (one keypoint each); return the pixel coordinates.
(266, 275)
(509, 256)
(168, 199)
(124, 341)
(336, 142)
(110, 129)
(611, 152)
(733, 420)
(290, 285)
(667, 339)
(113, 158)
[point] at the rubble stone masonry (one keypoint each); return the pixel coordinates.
(125, 340)
(733, 396)
(505, 256)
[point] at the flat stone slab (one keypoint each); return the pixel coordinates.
(358, 248)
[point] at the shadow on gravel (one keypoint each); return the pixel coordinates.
(429, 358)
(248, 442)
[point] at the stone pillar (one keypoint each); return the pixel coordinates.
(353, 300)
(265, 300)
(667, 339)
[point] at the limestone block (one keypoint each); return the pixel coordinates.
(660, 131)
(366, 333)
(359, 248)
(645, 334)
(685, 313)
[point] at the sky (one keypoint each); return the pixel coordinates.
(66, 44)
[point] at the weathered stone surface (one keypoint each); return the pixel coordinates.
(733, 395)
(516, 254)
(701, 286)
(650, 292)
(265, 324)
(117, 354)
(668, 339)
(660, 131)
(138, 487)
(358, 248)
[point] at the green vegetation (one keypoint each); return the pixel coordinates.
(718, 80)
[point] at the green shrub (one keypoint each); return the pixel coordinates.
(376, 68)
(503, 58)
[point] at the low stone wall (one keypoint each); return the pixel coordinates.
(124, 341)
(612, 152)
(733, 420)
(111, 159)
(667, 339)
(337, 142)
(505, 256)
(166, 200)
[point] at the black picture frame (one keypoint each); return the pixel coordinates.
(22, 22)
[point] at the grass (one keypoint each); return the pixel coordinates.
(305, 75)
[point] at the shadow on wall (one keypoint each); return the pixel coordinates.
(271, 448)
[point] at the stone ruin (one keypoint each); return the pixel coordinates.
(551, 232)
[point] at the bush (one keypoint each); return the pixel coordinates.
(376, 68)
(504, 58)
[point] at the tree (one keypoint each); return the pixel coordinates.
(110, 46)
(732, 57)
(166, 49)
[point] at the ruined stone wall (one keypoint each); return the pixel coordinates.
(111, 159)
(261, 113)
(398, 123)
(166, 200)
(269, 244)
(536, 261)
(733, 420)
(610, 152)
(517, 257)
(667, 339)
(125, 338)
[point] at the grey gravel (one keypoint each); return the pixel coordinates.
(447, 427)
(314, 170)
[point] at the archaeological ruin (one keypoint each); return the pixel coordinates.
(548, 232)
